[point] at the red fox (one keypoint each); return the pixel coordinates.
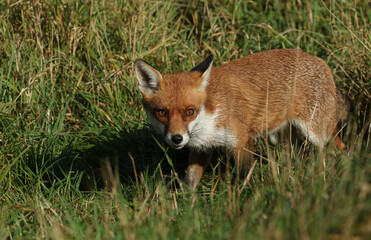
(229, 105)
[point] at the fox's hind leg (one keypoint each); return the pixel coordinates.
(314, 136)
(198, 161)
(339, 143)
(337, 140)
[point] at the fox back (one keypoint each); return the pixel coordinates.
(231, 104)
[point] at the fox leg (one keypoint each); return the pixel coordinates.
(244, 157)
(198, 161)
(337, 140)
(339, 143)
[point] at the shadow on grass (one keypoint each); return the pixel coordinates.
(130, 156)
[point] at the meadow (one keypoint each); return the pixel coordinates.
(78, 159)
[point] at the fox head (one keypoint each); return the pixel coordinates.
(174, 102)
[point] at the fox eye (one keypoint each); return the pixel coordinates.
(161, 113)
(189, 112)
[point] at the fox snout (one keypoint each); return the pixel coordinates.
(177, 138)
(177, 141)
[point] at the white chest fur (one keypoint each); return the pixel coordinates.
(204, 133)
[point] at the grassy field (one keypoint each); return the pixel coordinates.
(78, 159)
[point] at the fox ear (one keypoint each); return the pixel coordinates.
(205, 69)
(148, 77)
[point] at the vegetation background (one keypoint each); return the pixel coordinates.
(77, 156)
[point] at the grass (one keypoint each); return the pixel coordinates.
(78, 159)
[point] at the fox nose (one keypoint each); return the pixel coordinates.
(177, 138)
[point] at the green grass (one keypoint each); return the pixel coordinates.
(78, 159)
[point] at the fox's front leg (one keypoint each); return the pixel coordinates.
(244, 157)
(198, 161)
